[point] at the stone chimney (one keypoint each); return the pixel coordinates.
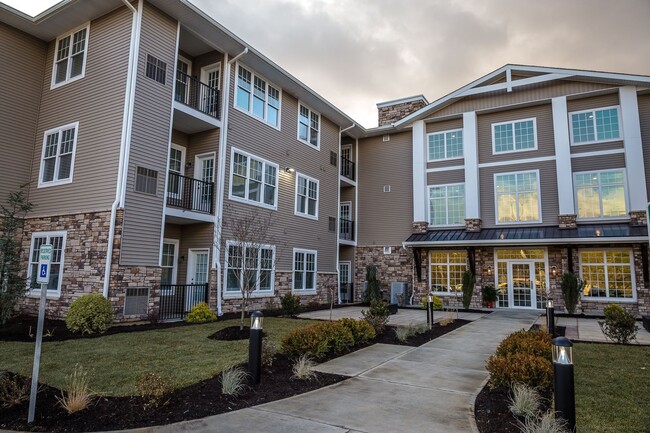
(392, 111)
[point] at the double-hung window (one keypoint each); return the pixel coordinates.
(306, 196)
(446, 271)
(304, 270)
(253, 179)
(256, 96)
(592, 126)
(70, 56)
(607, 273)
(249, 267)
(57, 157)
(447, 204)
(308, 126)
(57, 240)
(514, 136)
(445, 145)
(600, 194)
(518, 197)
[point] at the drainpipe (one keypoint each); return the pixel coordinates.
(125, 138)
(223, 136)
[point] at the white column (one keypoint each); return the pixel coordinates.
(419, 171)
(470, 151)
(563, 156)
(634, 166)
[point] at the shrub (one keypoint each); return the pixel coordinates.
(437, 303)
(571, 286)
(507, 370)
(290, 304)
(489, 294)
(78, 396)
(446, 321)
(536, 343)
(201, 313)
(233, 381)
(303, 368)
(90, 314)
(339, 338)
(373, 290)
(153, 388)
(361, 330)
(546, 424)
(619, 325)
(318, 340)
(13, 390)
(468, 288)
(269, 350)
(403, 333)
(377, 315)
(525, 401)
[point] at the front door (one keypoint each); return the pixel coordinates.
(345, 228)
(183, 71)
(344, 281)
(197, 276)
(210, 95)
(176, 170)
(203, 191)
(521, 284)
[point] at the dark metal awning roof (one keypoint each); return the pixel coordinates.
(584, 234)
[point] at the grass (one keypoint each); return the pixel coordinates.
(612, 388)
(116, 362)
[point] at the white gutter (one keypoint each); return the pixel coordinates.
(125, 139)
(223, 136)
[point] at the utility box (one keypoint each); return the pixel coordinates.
(398, 290)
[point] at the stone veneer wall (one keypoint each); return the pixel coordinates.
(393, 113)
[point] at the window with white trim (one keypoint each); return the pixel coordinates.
(517, 197)
(57, 158)
(445, 145)
(447, 204)
(607, 274)
(157, 70)
(600, 194)
(57, 240)
(253, 179)
(592, 126)
(256, 96)
(306, 196)
(308, 126)
(446, 270)
(249, 263)
(514, 136)
(70, 56)
(304, 270)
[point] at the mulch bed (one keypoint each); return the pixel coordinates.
(492, 412)
(389, 337)
(232, 333)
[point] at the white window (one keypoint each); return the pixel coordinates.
(308, 126)
(253, 179)
(600, 194)
(57, 157)
(447, 204)
(517, 197)
(445, 145)
(57, 240)
(514, 136)
(592, 126)
(252, 263)
(70, 56)
(607, 274)
(306, 196)
(446, 270)
(304, 270)
(256, 96)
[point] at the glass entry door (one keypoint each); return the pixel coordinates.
(521, 284)
(197, 276)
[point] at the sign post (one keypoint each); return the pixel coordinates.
(42, 278)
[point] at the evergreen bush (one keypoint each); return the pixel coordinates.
(90, 314)
(290, 304)
(571, 287)
(619, 325)
(201, 313)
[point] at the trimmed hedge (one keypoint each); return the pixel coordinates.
(536, 343)
(90, 314)
(512, 368)
(361, 330)
(322, 339)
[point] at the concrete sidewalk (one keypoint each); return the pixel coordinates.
(587, 329)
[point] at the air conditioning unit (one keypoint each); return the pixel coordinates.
(397, 289)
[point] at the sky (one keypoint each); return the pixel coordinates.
(356, 53)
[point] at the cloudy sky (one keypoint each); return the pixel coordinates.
(356, 53)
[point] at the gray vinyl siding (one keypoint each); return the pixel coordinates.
(548, 192)
(191, 236)
(143, 213)
(21, 86)
(601, 162)
(644, 117)
(97, 103)
(592, 102)
(385, 218)
(543, 116)
(282, 147)
(445, 177)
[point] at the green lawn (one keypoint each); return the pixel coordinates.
(612, 388)
(184, 354)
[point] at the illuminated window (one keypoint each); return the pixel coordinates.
(600, 194)
(446, 271)
(447, 205)
(607, 274)
(517, 197)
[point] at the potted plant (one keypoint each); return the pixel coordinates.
(489, 296)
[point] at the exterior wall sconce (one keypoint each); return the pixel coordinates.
(489, 270)
(188, 165)
(554, 270)
(289, 170)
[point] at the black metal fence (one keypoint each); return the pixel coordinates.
(347, 168)
(192, 92)
(176, 300)
(189, 193)
(346, 229)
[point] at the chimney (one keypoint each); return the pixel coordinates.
(392, 111)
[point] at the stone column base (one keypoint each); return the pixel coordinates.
(473, 225)
(568, 221)
(420, 226)
(638, 218)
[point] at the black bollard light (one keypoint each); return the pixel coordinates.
(550, 317)
(430, 310)
(565, 399)
(255, 347)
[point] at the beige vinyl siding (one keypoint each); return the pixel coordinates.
(282, 147)
(578, 104)
(602, 162)
(23, 63)
(444, 177)
(173, 231)
(543, 115)
(385, 218)
(548, 191)
(193, 236)
(180, 138)
(444, 163)
(644, 117)
(444, 125)
(97, 103)
(597, 147)
(143, 213)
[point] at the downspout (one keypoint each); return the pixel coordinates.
(223, 136)
(338, 226)
(125, 137)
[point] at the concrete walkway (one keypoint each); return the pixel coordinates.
(587, 329)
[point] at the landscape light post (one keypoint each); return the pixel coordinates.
(564, 388)
(550, 317)
(255, 347)
(430, 310)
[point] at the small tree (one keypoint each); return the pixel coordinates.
(12, 220)
(468, 288)
(571, 288)
(373, 291)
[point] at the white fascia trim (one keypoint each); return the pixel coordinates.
(517, 161)
(450, 168)
(597, 153)
(187, 214)
(508, 242)
(509, 85)
(634, 163)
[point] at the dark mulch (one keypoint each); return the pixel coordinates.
(388, 336)
(232, 333)
(560, 331)
(492, 412)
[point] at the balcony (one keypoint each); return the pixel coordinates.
(346, 230)
(347, 169)
(189, 199)
(196, 105)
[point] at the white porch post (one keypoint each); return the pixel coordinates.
(419, 171)
(634, 166)
(470, 151)
(563, 156)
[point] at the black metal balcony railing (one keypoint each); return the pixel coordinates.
(347, 168)
(192, 92)
(346, 229)
(176, 300)
(189, 193)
